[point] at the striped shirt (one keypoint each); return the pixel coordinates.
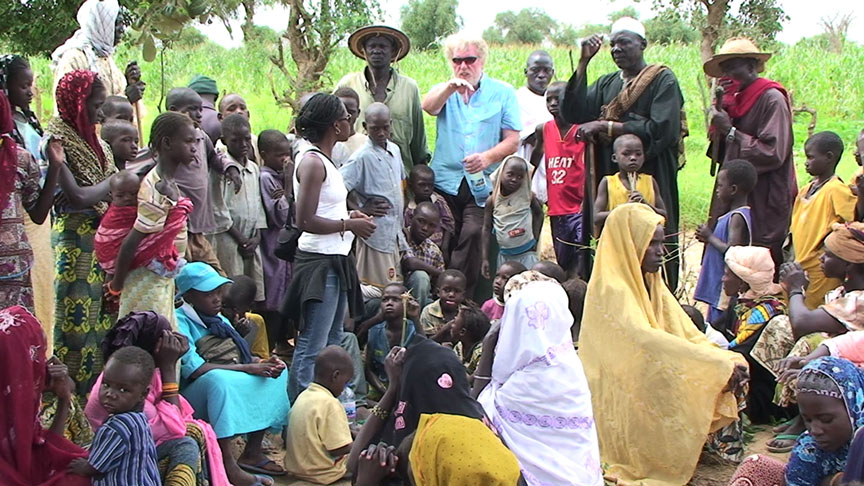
(124, 452)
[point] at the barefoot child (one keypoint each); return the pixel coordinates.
(628, 185)
(140, 240)
(123, 451)
(374, 176)
(494, 307)
(565, 178)
(514, 214)
(278, 199)
(437, 316)
(239, 214)
(385, 335)
(117, 108)
(734, 182)
(319, 437)
(421, 185)
(824, 201)
(423, 261)
(468, 330)
(122, 136)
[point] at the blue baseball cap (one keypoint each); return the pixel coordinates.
(199, 276)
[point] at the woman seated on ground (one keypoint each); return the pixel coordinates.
(843, 311)
(654, 378)
(438, 428)
(749, 277)
(29, 454)
(224, 384)
(831, 399)
(187, 449)
(529, 375)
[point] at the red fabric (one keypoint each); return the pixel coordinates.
(118, 221)
(34, 456)
(8, 152)
(738, 103)
(72, 93)
(565, 170)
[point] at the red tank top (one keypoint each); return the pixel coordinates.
(565, 170)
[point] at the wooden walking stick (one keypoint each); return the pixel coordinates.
(588, 230)
(137, 107)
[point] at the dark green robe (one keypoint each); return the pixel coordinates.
(656, 119)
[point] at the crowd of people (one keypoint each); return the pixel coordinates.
(385, 310)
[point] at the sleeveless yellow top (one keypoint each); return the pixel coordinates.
(620, 194)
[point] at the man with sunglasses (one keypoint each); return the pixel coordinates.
(641, 99)
(380, 46)
(478, 124)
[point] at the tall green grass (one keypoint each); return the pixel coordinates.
(833, 84)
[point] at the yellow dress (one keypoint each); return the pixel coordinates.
(619, 194)
(811, 222)
(656, 381)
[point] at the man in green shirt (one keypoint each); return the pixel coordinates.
(380, 46)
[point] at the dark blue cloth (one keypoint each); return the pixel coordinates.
(809, 464)
(379, 346)
(709, 288)
(124, 452)
(223, 330)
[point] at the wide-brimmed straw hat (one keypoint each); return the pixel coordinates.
(401, 44)
(736, 47)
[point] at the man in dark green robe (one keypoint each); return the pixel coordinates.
(654, 116)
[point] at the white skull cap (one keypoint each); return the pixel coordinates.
(628, 24)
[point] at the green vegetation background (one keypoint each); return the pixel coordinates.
(833, 84)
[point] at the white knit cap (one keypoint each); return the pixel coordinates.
(628, 24)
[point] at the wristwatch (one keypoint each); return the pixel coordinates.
(730, 137)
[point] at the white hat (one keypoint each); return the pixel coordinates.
(628, 24)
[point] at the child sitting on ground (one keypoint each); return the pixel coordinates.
(123, 451)
(436, 317)
(628, 185)
(319, 437)
(423, 261)
(122, 136)
(513, 215)
(421, 185)
(712, 334)
(116, 108)
(373, 177)
(239, 214)
(468, 330)
(734, 182)
(824, 201)
(565, 179)
(385, 335)
(494, 307)
(237, 307)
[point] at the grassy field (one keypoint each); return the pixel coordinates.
(832, 84)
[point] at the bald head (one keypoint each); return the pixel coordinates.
(551, 270)
(539, 71)
(377, 111)
(178, 97)
(626, 139)
(233, 103)
(539, 55)
(330, 360)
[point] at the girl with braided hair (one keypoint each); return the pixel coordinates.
(16, 79)
(140, 244)
(325, 282)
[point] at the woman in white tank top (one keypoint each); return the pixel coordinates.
(324, 284)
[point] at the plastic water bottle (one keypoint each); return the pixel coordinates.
(347, 399)
(480, 187)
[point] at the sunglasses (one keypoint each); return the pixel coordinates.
(466, 60)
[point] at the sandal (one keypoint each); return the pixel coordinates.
(793, 438)
(782, 426)
(260, 468)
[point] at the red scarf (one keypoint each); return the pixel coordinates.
(36, 456)
(118, 221)
(8, 152)
(72, 93)
(738, 103)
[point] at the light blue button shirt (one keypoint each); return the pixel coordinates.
(465, 129)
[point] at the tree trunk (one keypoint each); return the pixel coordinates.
(716, 10)
(248, 26)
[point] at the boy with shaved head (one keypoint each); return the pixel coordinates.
(373, 177)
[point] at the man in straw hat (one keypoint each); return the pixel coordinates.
(755, 124)
(640, 99)
(380, 46)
